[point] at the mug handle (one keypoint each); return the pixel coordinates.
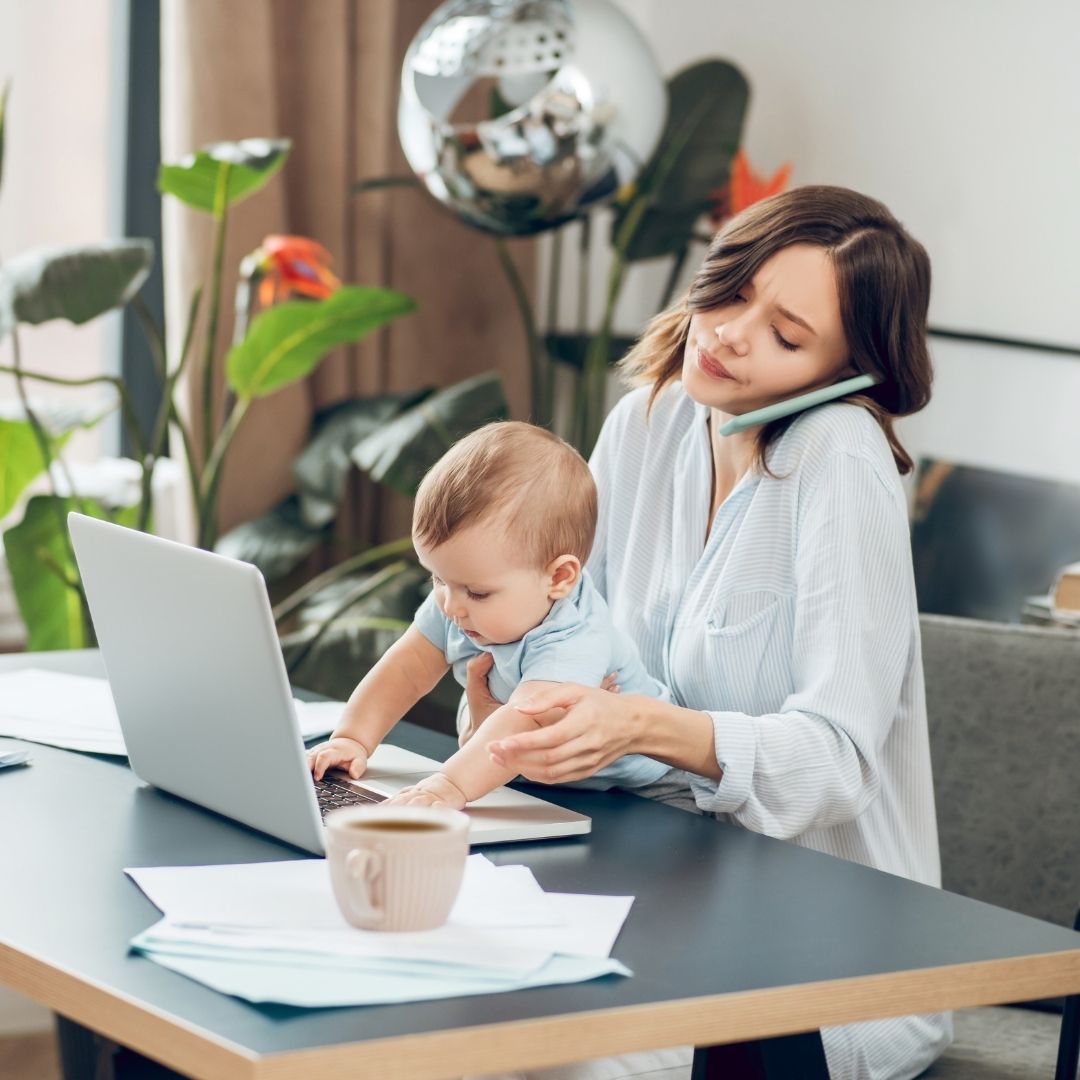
(364, 866)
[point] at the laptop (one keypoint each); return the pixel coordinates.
(203, 698)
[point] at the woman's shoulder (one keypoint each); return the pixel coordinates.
(633, 414)
(837, 428)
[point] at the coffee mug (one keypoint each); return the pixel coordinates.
(396, 867)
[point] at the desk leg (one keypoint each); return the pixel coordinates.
(85, 1055)
(768, 1059)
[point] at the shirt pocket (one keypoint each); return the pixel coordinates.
(747, 651)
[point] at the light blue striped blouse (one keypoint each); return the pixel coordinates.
(794, 625)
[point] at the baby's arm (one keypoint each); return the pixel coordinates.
(408, 670)
(471, 773)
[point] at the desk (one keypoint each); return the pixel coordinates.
(733, 937)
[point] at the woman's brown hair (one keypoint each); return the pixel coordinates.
(883, 281)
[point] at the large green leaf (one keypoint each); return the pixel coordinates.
(51, 609)
(3, 113)
(277, 543)
(287, 342)
(400, 452)
(251, 162)
(707, 106)
(74, 283)
(358, 635)
(323, 466)
(20, 461)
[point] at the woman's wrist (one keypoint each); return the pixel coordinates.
(680, 737)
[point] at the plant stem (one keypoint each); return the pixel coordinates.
(342, 569)
(189, 457)
(597, 359)
(673, 276)
(160, 434)
(153, 334)
(211, 478)
(367, 588)
(538, 361)
(221, 205)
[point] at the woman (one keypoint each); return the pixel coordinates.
(766, 577)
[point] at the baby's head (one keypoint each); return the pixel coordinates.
(504, 521)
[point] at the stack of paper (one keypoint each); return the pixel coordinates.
(77, 712)
(271, 932)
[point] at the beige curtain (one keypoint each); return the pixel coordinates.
(326, 75)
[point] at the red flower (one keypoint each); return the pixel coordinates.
(293, 266)
(745, 188)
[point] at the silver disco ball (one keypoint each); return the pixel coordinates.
(580, 105)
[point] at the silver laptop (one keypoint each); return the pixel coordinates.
(203, 698)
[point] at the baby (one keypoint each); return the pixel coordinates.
(504, 521)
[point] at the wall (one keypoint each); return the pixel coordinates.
(964, 118)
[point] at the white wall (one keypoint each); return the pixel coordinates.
(964, 118)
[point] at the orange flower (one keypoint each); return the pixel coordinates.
(293, 266)
(745, 188)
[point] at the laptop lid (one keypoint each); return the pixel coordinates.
(203, 697)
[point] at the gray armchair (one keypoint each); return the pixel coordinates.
(1003, 703)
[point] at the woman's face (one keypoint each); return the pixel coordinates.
(779, 337)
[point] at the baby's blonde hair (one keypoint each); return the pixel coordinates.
(520, 478)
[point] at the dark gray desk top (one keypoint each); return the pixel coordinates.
(719, 910)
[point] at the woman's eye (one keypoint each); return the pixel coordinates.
(783, 342)
(478, 595)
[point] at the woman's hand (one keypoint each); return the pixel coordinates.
(582, 729)
(482, 702)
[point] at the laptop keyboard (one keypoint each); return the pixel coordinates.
(332, 795)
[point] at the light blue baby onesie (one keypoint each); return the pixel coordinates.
(577, 643)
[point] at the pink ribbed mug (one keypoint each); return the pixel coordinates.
(396, 867)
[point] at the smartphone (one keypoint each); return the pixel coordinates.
(797, 404)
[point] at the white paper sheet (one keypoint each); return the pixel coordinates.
(282, 938)
(14, 757)
(290, 984)
(76, 712)
(502, 919)
(294, 894)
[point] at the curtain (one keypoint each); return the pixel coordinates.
(325, 75)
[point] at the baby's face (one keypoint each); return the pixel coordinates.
(484, 586)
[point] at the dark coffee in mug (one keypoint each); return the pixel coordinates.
(396, 826)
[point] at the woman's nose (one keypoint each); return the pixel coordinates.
(731, 335)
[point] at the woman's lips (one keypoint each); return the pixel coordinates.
(712, 367)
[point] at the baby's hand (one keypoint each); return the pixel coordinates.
(340, 752)
(434, 790)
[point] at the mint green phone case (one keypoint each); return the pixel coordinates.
(797, 404)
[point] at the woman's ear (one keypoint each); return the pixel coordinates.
(563, 573)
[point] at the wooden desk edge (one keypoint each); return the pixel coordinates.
(545, 1041)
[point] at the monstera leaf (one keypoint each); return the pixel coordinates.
(400, 452)
(707, 106)
(277, 542)
(73, 283)
(323, 466)
(251, 163)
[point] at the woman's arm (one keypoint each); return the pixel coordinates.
(583, 728)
